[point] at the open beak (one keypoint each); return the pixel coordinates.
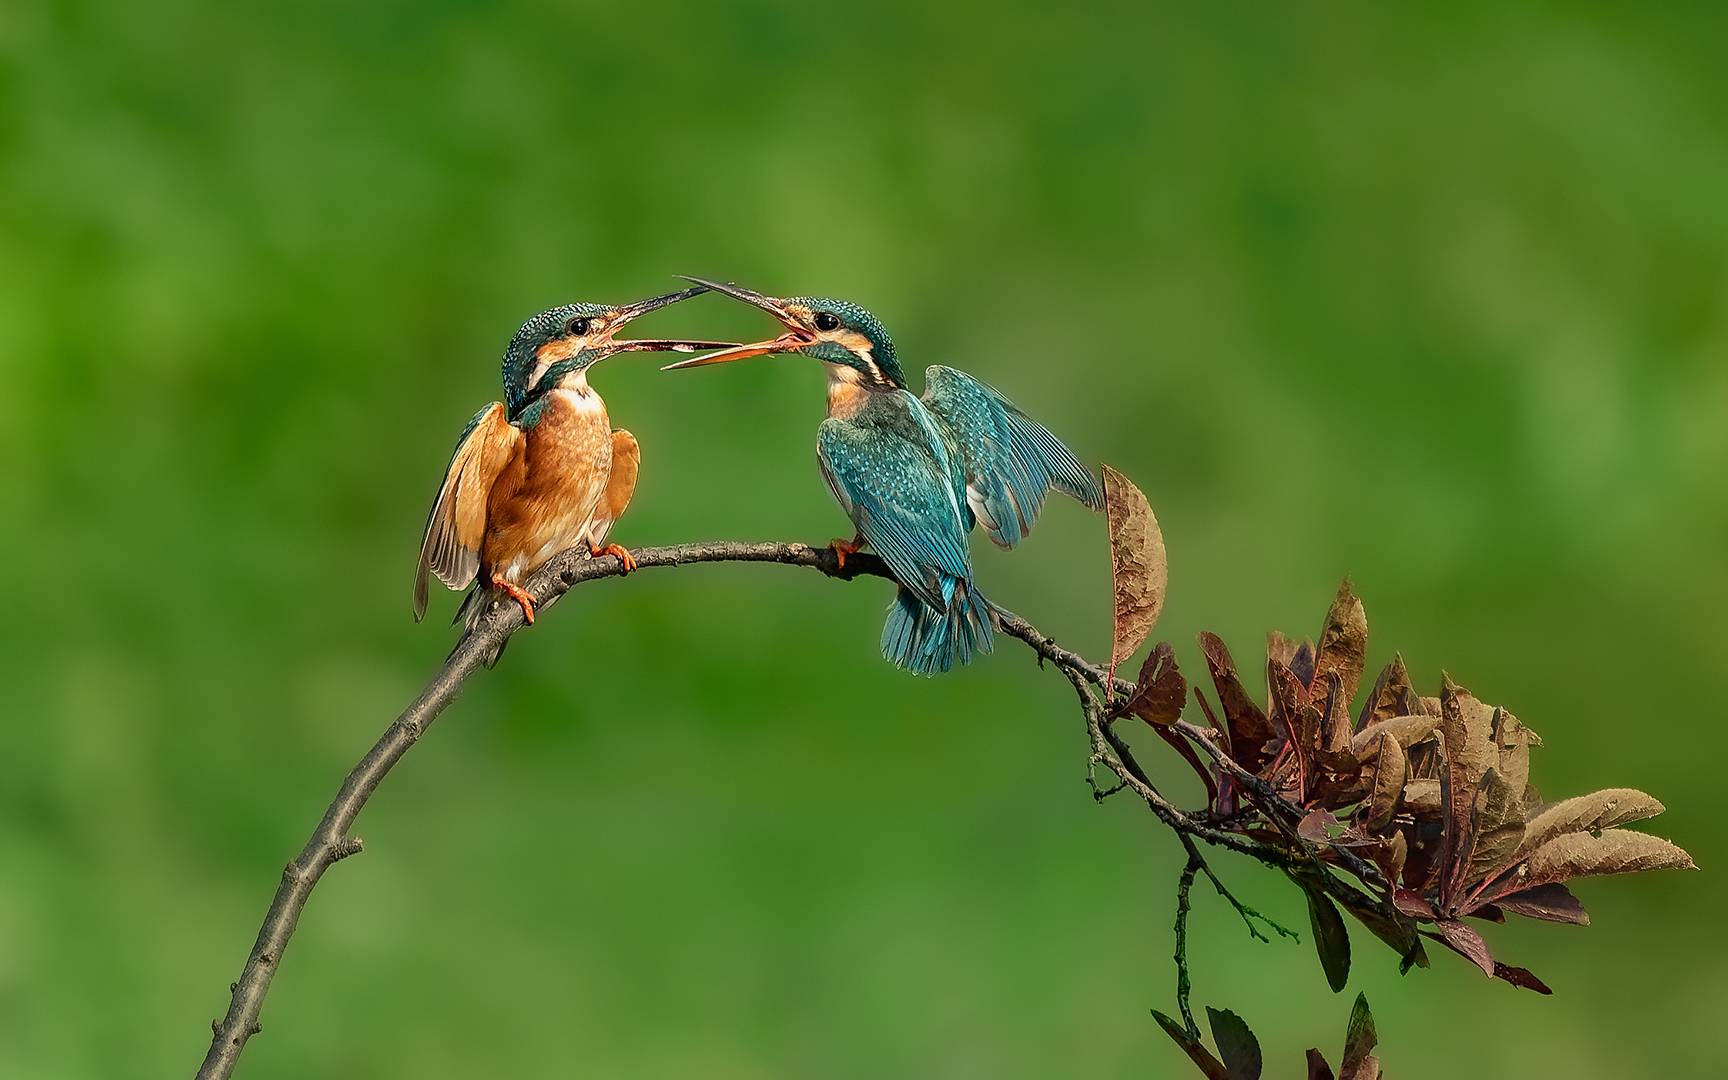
(794, 338)
(630, 312)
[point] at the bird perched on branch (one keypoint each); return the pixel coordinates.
(915, 474)
(543, 470)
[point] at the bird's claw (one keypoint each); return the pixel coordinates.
(843, 548)
(520, 595)
(618, 551)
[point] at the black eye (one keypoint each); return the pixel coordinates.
(577, 327)
(827, 320)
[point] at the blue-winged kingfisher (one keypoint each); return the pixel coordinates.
(915, 474)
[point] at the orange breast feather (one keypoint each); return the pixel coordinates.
(540, 508)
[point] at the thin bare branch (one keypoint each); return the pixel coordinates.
(333, 841)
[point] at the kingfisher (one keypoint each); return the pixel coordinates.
(917, 473)
(543, 470)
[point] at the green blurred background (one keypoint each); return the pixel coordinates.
(1437, 301)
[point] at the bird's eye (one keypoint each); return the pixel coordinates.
(577, 327)
(827, 320)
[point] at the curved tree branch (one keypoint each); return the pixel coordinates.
(331, 840)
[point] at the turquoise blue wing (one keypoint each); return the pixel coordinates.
(897, 493)
(1009, 461)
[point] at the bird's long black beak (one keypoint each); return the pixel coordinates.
(794, 337)
(629, 312)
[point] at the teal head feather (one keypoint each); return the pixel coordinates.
(572, 337)
(559, 335)
(841, 324)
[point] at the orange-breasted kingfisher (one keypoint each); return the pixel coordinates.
(915, 474)
(543, 470)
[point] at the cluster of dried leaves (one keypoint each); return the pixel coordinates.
(1434, 792)
(1426, 800)
(1238, 1056)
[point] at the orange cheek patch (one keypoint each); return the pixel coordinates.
(558, 349)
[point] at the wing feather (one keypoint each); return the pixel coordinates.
(456, 526)
(620, 486)
(898, 492)
(1009, 461)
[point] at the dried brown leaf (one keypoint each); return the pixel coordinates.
(1343, 644)
(1139, 571)
(1413, 904)
(1161, 691)
(1422, 797)
(1369, 1070)
(1194, 1048)
(1552, 902)
(1314, 827)
(1589, 813)
(1390, 767)
(1338, 789)
(1390, 855)
(1518, 976)
(1426, 838)
(1236, 1044)
(1360, 1038)
(1317, 1067)
(1334, 734)
(1466, 729)
(1512, 742)
(1302, 663)
(1408, 730)
(1615, 851)
(1392, 695)
(1292, 716)
(1250, 731)
(1425, 758)
(1466, 943)
(1496, 825)
(1280, 648)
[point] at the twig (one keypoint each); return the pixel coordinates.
(1249, 915)
(1184, 987)
(331, 840)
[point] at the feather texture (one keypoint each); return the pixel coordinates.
(895, 482)
(1009, 461)
(891, 471)
(620, 486)
(456, 525)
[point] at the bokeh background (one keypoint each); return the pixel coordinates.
(1439, 301)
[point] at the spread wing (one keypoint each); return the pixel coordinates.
(895, 486)
(1010, 461)
(457, 523)
(620, 485)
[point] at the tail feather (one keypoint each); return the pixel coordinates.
(472, 613)
(926, 641)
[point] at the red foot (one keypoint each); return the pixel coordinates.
(621, 553)
(843, 548)
(518, 594)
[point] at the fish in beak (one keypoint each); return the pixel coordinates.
(795, 337)
(630, 312)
